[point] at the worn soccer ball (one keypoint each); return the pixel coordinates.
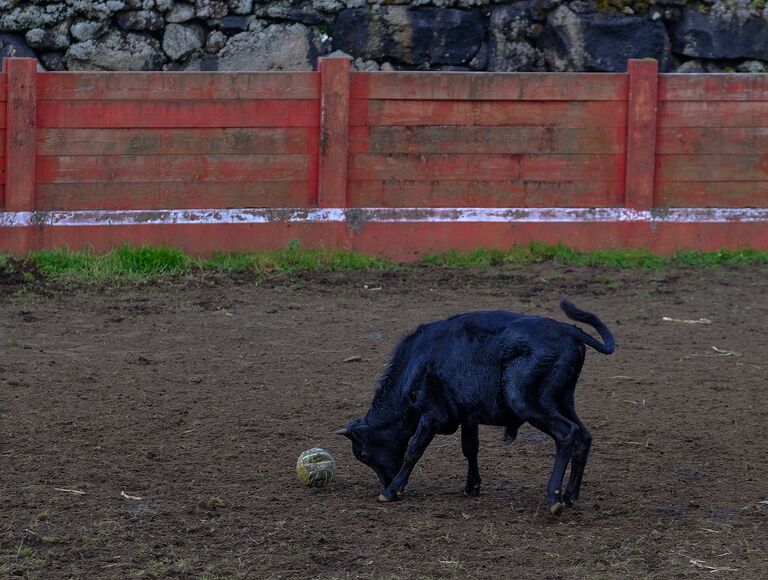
(315, 468)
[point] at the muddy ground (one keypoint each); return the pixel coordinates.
(197, 395)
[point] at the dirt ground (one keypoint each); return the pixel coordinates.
(196, 396)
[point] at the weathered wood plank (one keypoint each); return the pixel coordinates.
(2, 116)
(434, 167)
(452, 139)
(472, 167)
(185, 195)
(396, 192)
(712, 194)
(2, 169)
(641, 133)
(489, 86)
(178, 114)
(572, 167)
(712, 168)
(334, 132)
(713, 87)
(488, 113)
(2, 142)
(20, 135)
(3, 86)
(413, 240)
(713, 114)
(184, 168)
(711, 140)
(178, 86)
(212, 141)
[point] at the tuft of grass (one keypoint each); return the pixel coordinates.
(123, 263)
(213, 502)
(536, 253)
(743, 256)
(131, 263)
(294, 259)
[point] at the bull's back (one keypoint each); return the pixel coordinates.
(456, 362)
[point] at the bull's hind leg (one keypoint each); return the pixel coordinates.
(564, 432)
(531, 394)
(578, 463)
(581, 448)
(470, 445)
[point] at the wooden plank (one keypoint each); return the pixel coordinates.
(158, 195)
(334, 132)
(572, 167)
(172, 168)
(471, 167)
(641, 133)
(3, 86)
(2, 116)
(413, 240)
(434, 167)
(177, 141)
(489, 86)
(2, 142)
(139, 114)
(396, 192)
(712, 167)
(178, 86)
(488, 113)
(192, 238)
(713, 87)
(2, 169)
(452, 139)
(713, 114)
(712, 194)
(20, 134)
(711, 140)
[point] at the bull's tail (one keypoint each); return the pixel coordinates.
(609, 343)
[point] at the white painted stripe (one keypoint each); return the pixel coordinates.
(359, 216)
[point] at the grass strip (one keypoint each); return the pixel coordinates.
(131, 263)
(537, 253)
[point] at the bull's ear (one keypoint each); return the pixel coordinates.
(344, 432)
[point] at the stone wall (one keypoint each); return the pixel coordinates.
(477, 35)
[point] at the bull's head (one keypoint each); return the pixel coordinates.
(377, 447)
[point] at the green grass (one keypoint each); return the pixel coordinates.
(294, 259)
(129, 263)
(537, 253)
(125, 262)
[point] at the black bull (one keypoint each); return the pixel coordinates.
(481, 368)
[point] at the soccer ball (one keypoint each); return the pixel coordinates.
(315, 468)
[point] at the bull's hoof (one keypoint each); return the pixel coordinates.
(472, 491)
(388, 496)
(556, 509)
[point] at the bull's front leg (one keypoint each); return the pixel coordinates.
(425, 432)
(470, 445)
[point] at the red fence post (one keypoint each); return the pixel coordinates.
(641, 133)
(20, 134)
(334, 131)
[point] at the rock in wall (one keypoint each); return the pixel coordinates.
(473, 35)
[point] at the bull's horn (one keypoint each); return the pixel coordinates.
(343, 431)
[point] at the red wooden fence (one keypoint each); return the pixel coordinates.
(390, 163)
